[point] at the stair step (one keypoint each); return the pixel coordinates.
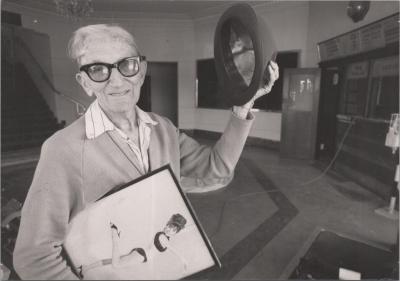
(10, 139)
(27, 115)
(26, 119)
(20, 120)
(32, 123)
(28, 125)
(27, 135)
(26, 129)
(24, 114)
(21, 145)
(20, 101)
(29, 91)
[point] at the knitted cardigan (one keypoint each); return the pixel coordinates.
(73, 171)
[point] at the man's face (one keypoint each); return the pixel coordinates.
(119, 94)
(170, 230)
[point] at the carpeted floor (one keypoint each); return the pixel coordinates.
(261, 220)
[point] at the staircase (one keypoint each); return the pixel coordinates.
(26, 120)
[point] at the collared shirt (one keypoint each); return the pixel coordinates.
(97, 123)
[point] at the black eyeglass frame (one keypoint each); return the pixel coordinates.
(110, 66)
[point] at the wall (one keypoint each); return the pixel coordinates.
(363, 157)
(294, 25)
(176, 38)
(183, 40)
(329, 19)
(289, 18)
(167, 38)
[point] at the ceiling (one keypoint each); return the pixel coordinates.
(190, 8)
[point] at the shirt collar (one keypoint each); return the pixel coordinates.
(97, 122)
(144, 117)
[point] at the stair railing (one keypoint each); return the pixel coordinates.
(79, 107)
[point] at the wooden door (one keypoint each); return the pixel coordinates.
(300, 112)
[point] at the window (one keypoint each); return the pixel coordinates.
(209, 95)
(384, 94)
(273, 101)
(354, 97)
(371, 89)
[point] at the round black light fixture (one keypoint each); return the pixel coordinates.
(242, 45)
(357, 10)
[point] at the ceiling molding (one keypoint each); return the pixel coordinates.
(189, 9)
(154, 10)
(258, 6)
(120, 16)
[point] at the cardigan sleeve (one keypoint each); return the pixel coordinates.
(45, 215)
(218, 161)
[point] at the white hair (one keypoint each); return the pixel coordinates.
(86, 35)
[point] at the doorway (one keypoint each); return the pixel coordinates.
(328, 108)
(159, 93)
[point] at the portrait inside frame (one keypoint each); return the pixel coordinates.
(145, 230)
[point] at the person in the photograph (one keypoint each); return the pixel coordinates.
(243, 53)
(175, 224)
(112, 144)
(140, 255)
(162, 238)
(135, 256)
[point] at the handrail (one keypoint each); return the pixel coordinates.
(80, 108)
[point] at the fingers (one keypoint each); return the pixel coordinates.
(273, 70)
(274, 65)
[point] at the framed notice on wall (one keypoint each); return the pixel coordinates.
(369, 37)
(146, 230)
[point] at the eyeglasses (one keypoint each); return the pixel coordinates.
(100, 71)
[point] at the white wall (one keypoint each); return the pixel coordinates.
(295, 25)
(287, 22)
(160, 38)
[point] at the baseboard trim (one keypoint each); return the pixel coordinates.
(251, 141)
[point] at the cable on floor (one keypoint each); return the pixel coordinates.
(302, 185)
(334, 157)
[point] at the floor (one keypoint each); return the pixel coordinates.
(260, 222)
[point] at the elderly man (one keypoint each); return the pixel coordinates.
(112, 144)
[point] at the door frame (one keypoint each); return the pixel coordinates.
(316, 72)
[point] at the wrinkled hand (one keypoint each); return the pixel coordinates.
(273, 70)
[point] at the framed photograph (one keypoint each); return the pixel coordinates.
(145, 230)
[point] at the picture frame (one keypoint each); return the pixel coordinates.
(123, 236)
